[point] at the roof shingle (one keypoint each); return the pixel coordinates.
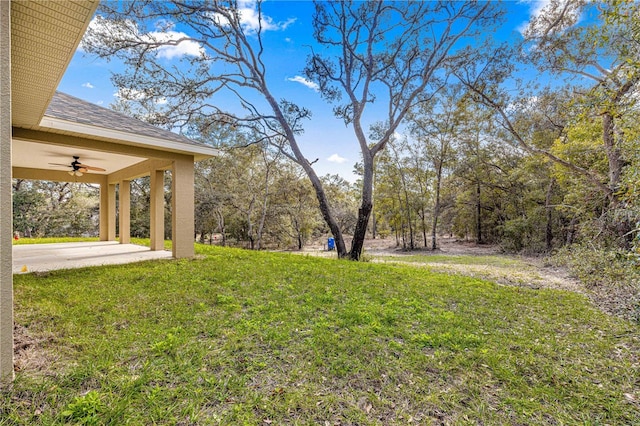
(70, 108)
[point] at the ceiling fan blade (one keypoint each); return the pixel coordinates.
(58, 164)
(95, 169)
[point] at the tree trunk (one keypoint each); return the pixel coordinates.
(436, 207)
(263, 217)
(360, 232)
(571, 231)
(373, 225)
(325, 207)
(547, 205)
(364, 211)
(423, 217)
(478, 213)
(221, 227)
(613, 154)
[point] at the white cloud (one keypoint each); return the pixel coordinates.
(137, 95)
(335, 158)
(251, 20)
(544, 15)
(100, 103)
(87, 85)
(535, 9)
(164, 33)
(185, 47)
(304, 81)
(129, 94)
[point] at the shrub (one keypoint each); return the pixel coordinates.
(611, 274)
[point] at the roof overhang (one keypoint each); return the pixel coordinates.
(44, 37)
(63, 127)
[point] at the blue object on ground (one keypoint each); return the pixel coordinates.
(331, 244)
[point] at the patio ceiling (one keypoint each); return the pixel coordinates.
(35, 155)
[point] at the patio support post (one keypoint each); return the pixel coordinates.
(111, 212)
(104, 210)
(125, 211)
(157, 210)
(182, 207)
(6, 206)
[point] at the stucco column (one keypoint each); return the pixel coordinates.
(125, 211)
(6, 207)
(111, 212)
(156, 213)
(104, 210)
(182, 207)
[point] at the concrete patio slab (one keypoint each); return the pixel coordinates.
(46, 257)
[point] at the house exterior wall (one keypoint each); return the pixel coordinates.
(6, 205)
(124, 214)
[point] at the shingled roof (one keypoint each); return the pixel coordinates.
(69, 108)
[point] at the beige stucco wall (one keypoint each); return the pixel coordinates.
(182, 207)
(156, 213)
(6, 215)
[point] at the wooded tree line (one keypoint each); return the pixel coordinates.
(474, 144)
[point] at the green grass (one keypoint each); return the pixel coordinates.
(495, 260)
(238, 337)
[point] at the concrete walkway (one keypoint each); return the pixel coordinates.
(46, 257)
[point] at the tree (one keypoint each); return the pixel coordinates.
(296, 212)
(597, 60)
(391, 50)
(51, 209)
(437, 132)
(597, 52)
(228, 56)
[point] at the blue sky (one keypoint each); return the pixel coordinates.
(287, 44)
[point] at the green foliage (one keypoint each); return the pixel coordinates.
(52, 240)
(52, 209)
(170, 344)
(85, 409)
(523, 235)
(240, 337)
(602, 267)
(610, 272)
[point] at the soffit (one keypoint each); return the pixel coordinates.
(34, 155)
(44, 37)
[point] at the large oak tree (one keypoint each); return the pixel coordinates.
(387, 52)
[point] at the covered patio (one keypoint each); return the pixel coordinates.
(116, 149)
(48, 135)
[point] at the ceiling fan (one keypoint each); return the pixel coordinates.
(77, 168)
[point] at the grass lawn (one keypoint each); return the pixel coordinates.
(239, 337)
